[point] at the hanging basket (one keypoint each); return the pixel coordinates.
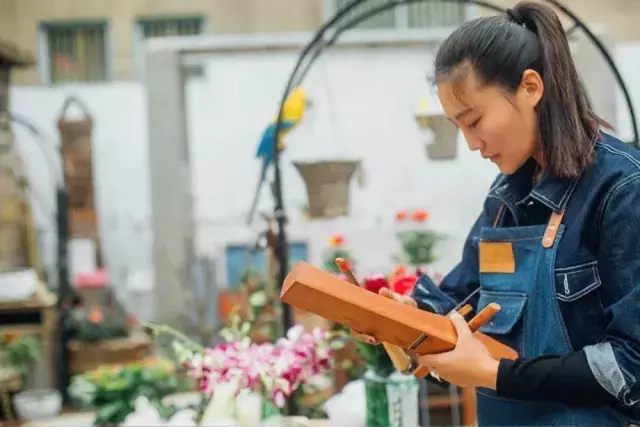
(327, 186)
(445, 138)
(76, 151)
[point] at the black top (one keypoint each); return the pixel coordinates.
(567, 379)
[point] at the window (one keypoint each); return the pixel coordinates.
(153, 27)
(166, 27)
(411, 16)
(75, 52)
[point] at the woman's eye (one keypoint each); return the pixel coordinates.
(475, 123)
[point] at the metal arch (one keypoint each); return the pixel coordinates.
(319, 43)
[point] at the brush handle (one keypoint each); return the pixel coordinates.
(483, 316)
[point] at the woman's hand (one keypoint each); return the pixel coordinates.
(469, 364)
(388, 293)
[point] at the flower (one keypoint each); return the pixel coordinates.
(336, 240)
(401, 215)
(95, 316)
(376, 282)
(403, 283)
(276, 369)
(420, 215)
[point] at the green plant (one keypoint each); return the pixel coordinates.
(335, 250)
(112, 390)
(19, 353)
(418, 246)
(97, 324)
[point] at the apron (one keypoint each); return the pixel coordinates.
(530, 322)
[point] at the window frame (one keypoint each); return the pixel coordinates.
(44, 54)
(139, 39)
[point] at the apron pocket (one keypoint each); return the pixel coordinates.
(503, 325)
(575, 282)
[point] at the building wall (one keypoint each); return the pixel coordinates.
(620, 16)
(20, 20)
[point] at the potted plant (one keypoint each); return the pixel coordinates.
(18, 353)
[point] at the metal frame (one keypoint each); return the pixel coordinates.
(323, 39)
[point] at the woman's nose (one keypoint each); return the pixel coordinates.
(474, 143)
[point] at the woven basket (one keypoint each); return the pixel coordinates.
(327, 186)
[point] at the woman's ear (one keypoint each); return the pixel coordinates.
(532, 87)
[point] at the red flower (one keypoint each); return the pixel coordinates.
(403, 284)
(401, 215)
(375, 283)
(95, 316)
(420, 215)
(336, 240)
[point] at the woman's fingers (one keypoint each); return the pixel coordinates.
(404, 299)
(364, 337)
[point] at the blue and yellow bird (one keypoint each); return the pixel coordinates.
(292, 112)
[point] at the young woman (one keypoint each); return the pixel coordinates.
(558, 242)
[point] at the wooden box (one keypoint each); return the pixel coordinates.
(309, 288)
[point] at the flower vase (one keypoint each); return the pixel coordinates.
(391, 401)
(249, 408)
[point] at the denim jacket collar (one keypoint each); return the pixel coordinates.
(516, 189)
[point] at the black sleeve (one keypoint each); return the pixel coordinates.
(567, 379)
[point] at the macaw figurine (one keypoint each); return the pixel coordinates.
(292, 112)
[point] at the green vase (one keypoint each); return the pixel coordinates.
(271, 415)
(392, 401)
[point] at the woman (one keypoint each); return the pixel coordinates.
(558, 242)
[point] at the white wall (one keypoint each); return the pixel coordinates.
(364, 100)
(120, 167)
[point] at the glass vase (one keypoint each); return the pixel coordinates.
(392, 401)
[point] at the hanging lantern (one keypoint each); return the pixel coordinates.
(327, 185)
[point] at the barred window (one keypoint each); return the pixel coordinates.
(414, 15)
(76, 52)
(165, 27)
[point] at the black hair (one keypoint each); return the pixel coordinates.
(530, 36)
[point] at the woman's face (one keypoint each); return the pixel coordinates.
(502, 126)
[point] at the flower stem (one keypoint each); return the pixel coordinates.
(158, 330)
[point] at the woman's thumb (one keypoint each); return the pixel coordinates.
(462, 329)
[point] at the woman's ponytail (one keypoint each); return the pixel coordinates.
(568, 127)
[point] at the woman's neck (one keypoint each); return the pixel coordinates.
(538, 156)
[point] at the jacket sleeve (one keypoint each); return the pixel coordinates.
(458, 283)
(615, 362)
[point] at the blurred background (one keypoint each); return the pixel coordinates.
(129, 155)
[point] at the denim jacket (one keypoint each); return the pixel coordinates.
(597, 268)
